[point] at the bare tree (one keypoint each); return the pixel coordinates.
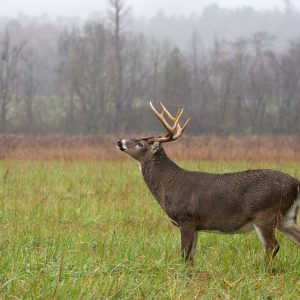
(68, 70)
(118, 16)
(30, 83)
(176, 78)
(290, 87)
(10, 53)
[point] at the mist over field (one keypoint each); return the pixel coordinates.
(234, 69)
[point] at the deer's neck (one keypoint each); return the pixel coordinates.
(158, 173)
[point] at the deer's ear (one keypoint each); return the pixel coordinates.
(155, 147)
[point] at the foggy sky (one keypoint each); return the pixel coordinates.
(146, 8)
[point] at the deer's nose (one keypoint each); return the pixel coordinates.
(119, 143)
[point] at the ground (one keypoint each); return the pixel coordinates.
(91, 230)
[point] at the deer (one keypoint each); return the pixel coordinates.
(263, 200)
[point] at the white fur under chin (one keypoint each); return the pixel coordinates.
(140, 167)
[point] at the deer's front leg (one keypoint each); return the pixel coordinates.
(188, 241)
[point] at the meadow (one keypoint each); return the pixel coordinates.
(91, 230)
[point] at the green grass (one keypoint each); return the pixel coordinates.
(93, 231)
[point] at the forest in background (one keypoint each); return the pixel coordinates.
(233, 70)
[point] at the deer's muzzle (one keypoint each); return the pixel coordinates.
(121, 145)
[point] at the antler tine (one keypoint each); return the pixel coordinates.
(178, 115)
(176, 128)
(179, 111)
(160, 116)
(185, 124)
(181, 130)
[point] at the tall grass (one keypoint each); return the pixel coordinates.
(86, 230)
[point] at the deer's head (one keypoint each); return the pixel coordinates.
(142, 149)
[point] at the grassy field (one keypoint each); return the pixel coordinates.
(91, 230)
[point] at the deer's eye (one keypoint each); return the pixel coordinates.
(140, 145)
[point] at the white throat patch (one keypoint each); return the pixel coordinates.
(140, 167)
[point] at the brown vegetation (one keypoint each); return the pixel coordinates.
(102, 147)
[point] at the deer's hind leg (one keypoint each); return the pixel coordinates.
(293, 231)
(288, 224)
(266, 233)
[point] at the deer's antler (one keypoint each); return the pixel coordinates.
(175, 131)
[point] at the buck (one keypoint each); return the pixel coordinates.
(263, 200)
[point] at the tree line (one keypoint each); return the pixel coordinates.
(98, 78)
